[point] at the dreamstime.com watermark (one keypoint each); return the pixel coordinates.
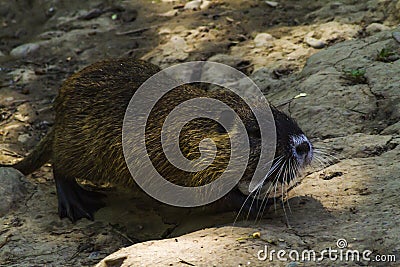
(145, 99)
(340, 253)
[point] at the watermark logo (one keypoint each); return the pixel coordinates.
(341, 253)
(145, 99)
(341, 243)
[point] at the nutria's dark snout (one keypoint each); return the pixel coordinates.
(294, 152)
(302, 151)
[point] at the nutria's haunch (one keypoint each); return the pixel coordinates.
(85, 142)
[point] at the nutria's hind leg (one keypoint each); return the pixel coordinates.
(75, 202)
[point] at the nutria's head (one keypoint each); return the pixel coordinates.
(292, 154)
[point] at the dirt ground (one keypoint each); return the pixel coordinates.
(351, 193)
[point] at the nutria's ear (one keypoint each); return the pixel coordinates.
(227, 118)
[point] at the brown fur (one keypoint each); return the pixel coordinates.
(85, 142)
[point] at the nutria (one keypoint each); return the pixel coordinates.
(85, 141)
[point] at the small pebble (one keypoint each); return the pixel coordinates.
(256, 235)
(272, 3)
(23, 138)
(192, 5)
(170, 13)
(92, 14)
(300, 95)
(205, 4)
(94, 255)
(24, 50)
(50, 12)
(396, 36)
(314, 43)
(376, 27)
(263, 39)
(229, 19)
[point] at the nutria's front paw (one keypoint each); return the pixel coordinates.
(75, 202)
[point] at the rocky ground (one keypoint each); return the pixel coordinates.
(334, 66)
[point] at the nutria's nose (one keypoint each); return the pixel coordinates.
(303, 151)
(303, 148)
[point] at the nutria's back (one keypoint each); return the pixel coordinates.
(89, 114)
(90, 109)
